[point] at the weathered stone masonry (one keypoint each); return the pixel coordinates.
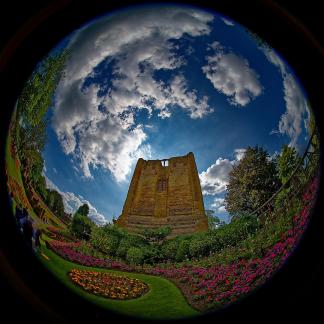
(165, 193)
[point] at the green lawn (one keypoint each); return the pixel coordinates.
(163, 301)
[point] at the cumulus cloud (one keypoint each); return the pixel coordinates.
(72, 202)
(232, 75)
(297, 111)
(136, 45)
(215, 179)
(219, 205)
(291, 121)
(107, 143)
(227, 22)
(188, 100)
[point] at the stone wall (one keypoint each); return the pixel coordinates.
(161, 195)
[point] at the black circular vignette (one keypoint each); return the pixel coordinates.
(28, 290)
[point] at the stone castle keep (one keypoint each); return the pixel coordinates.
(165, 193)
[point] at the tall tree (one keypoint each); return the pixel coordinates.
(251, 182)
(81, 226)
(32, 106)
(83, 210)
(55, 202)
(287, 162)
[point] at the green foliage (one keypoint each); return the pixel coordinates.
(312, 128)
(315, 143)
(126, 242)
(287, 162)
(81, 226)
(231, 234)
(169, 249)
(135, 255)
(281, 199)
(30, 124)
(37, 94)
(83, 210)
(251, 182)
(54, 202)
(182, 251)
(87, 249)
(157, 234)
(152, 254)
(200, 246)
(105, 240)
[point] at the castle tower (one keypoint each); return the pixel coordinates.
(165, 193)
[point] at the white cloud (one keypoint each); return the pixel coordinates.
(219, 205)
(239, 153)
(231, 75)
(214, 180)
(291, 121)
(297, 111)
(107, 143)
(227, 22)
(72, 202)
(188, 99)
(136, 44)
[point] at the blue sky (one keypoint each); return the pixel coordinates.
(158, 82)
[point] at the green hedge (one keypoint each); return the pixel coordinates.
(135, 255)
(135, 249)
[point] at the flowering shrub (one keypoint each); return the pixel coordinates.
(219, 284)
(214, 284)
(108, 285)
(67, 250)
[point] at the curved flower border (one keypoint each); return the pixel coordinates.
(108, 285)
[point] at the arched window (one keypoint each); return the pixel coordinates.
(162, 185)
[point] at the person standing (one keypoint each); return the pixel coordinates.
(38, 234)
(28, 231)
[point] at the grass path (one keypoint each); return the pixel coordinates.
(163, 301)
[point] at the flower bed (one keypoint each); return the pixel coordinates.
(219, 285)
(108, 285)
(67, 251)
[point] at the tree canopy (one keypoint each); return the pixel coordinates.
(55, 202)
(287, 162)
(83, 210)
(252, 181)
(81, 226)
(31, 123)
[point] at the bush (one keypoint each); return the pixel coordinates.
(127, 242)
(228, 235)
(104, 241)
(135, 255)
(199, 246)
(183, 251)
(157, 234)
(169, 249)
(81, 226)
(152, 254)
